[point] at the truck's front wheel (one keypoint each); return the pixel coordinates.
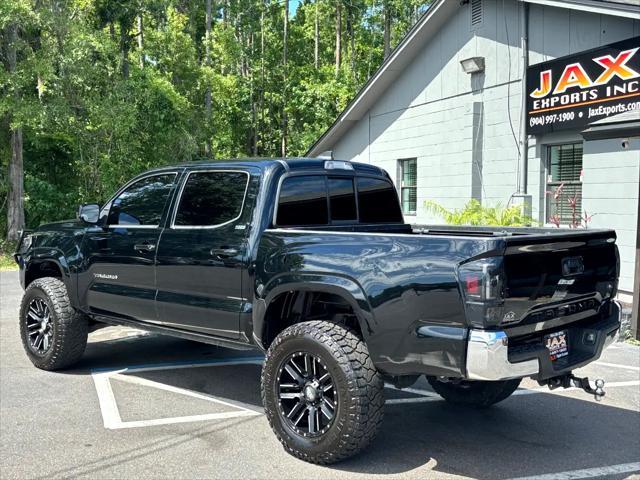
(474, 393)
(54, 334)
(321, 392)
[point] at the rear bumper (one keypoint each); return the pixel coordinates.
(492, 355)
(488, 358)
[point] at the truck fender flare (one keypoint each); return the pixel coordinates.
(57, 257)
(345, 287)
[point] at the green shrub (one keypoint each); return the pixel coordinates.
(473, 213)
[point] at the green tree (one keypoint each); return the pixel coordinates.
(95, 91)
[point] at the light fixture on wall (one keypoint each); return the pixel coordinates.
(473, 64)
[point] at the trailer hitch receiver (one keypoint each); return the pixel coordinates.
(570, 380)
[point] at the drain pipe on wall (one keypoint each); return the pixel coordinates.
(522, 197)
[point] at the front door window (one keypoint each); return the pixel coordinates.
(142, 203)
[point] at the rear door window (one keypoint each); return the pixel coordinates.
(211, 199)
(378, 201)
(303, 201)
(342, 199)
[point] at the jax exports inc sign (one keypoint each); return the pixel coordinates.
(574, 91)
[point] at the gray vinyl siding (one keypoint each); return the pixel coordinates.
(610, 192)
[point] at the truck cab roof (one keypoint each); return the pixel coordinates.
(289, 164)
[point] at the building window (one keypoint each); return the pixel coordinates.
(564, 184)
(408, 173)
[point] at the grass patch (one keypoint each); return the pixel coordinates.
(7, 262)
(631, 341)
(6, 256)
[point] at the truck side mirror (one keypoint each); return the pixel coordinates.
(89, 213)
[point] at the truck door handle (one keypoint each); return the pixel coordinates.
(224, 252)
(144, 247)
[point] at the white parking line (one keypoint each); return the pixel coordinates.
(186, 419)
(587, 473)
(107, 401)
(109, 408)
(112, 420)
(177, 366)
(395, 401)
(182, 391)
(417, 391)
(617, 365)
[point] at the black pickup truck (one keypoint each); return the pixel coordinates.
(310, 260)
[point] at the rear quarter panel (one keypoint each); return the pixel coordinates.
(398, 282)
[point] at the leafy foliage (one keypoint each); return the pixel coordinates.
(98, 99)
(577, 220)
(474, 213)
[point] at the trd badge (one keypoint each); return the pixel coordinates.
(105, 276)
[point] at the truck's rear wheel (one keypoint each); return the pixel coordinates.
(54, 334)
(321, 393)
(474, 393)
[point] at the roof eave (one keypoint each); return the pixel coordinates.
(626, 10)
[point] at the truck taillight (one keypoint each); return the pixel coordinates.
(481, 282)
(481, 279)
(473, 285)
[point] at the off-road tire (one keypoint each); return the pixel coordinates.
(479, 394)
(69, 326)
(360, 405)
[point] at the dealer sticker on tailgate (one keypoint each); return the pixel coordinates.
(557, 344)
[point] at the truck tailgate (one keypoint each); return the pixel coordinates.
(551, 280)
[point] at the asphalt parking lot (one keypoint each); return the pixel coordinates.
(144, 406)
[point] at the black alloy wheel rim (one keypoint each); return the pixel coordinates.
(39, 326)
(307, 395)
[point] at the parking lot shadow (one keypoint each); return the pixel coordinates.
(106, 351)
(239, 384)
(525, 435)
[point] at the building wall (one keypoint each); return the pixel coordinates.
(465, 128)
(605, 164)
(429, 114)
